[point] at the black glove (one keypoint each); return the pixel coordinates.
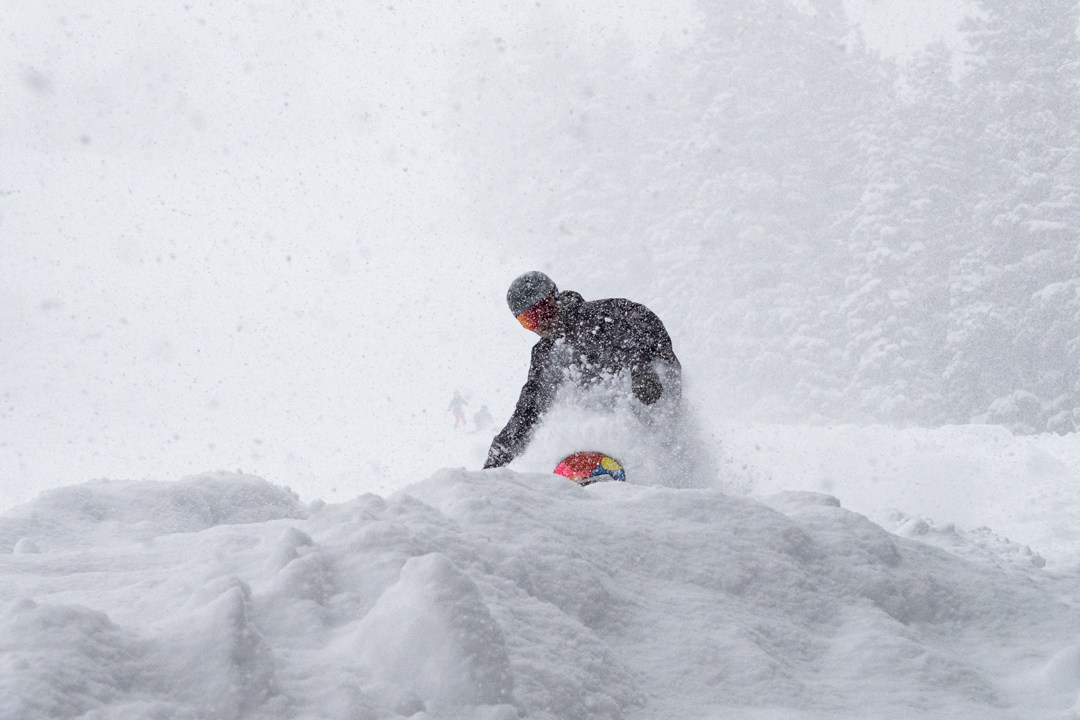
(497, 456)
(646, 386)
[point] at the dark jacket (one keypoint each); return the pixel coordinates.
(598, 338)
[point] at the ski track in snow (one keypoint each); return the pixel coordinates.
(504, 594)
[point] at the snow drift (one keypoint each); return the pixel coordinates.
(501, 595)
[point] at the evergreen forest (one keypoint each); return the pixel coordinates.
(880, 240)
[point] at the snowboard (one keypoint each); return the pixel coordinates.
(586, 468)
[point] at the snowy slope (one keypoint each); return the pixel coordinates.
(505, 594)
(1023, 488)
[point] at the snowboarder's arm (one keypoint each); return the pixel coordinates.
(535, 399)
(654, 352)
(646, 385)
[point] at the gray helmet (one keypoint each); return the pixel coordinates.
(529, 289)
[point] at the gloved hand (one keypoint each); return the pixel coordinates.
(497, 456)
(646, 386)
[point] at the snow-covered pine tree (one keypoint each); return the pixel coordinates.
(1021, 112)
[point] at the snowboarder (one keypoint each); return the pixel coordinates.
(583, 342)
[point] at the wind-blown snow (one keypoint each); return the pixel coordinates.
(501, 594)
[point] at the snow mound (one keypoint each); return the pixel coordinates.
(981, 543)
(973, 477)
(433, 629)
(62, 661)
(499, 595)
(143, 509)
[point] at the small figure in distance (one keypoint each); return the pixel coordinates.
(457, 407)
(482, 420)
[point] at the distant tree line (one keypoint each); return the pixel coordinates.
(836, 236)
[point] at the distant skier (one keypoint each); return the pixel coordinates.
(584, 343)
(482, 420)
(457, 407)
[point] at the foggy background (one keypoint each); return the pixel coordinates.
(277, 239)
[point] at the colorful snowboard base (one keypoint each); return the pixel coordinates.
(586, 468)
